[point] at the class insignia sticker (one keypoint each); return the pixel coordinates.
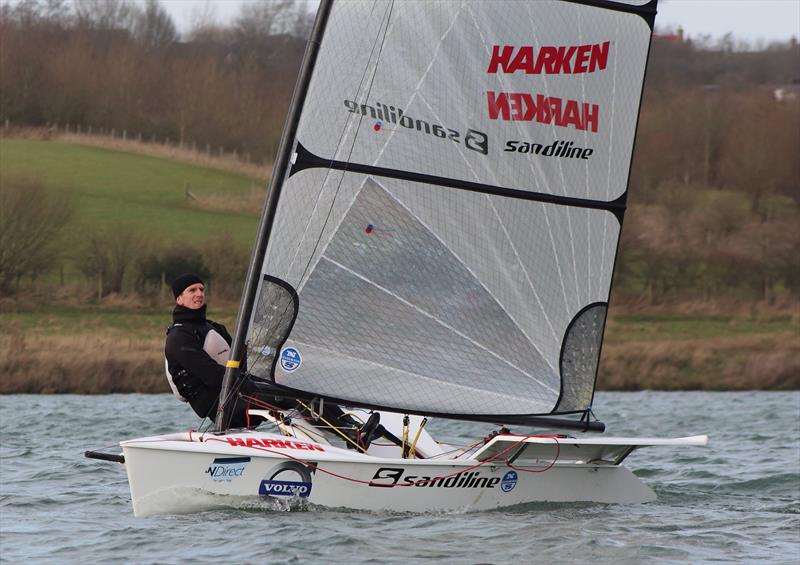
(290, 359)
(509, 481)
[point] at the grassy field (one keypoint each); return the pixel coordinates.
(113, 189)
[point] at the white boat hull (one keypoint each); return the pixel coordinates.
(172, 474)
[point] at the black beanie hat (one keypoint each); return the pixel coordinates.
(183, 282)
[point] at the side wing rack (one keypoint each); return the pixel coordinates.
(598, 451)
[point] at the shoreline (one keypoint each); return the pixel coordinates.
(97, 364)
(71, 346)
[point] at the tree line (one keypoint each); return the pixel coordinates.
(715, 181)
(114, 64)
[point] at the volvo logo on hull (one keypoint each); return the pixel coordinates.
(287, 479)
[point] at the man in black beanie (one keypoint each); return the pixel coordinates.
(196, 351)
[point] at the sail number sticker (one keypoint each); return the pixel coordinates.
(290, 359)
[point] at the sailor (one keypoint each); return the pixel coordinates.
(196, 352)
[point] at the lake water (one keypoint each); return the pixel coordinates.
(737, 500)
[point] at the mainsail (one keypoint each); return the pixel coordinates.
(444, 227)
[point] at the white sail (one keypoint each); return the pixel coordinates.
(445, 237)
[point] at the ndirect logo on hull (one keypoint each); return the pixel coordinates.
(227, 468)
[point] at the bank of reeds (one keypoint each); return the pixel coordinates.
(80, 364)
(747, 362)
(92, 364)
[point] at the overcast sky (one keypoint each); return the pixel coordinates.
(750, 20)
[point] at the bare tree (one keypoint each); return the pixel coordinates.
(108, 255)
(31, 219)
(105, 15)
(154, 27)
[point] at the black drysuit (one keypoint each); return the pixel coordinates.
(196, 377)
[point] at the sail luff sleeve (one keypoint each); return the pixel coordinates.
(282, 160)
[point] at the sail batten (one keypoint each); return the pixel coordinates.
(446, 231)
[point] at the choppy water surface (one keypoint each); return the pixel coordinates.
(737, 500)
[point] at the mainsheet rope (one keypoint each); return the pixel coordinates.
(316, 466)
(465, 449)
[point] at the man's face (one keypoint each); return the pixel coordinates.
(194, 297)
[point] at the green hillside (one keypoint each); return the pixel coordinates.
(145, 194)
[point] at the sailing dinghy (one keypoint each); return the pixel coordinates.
(438, 241)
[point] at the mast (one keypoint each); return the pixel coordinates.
(268, 215)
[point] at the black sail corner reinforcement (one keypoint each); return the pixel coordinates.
(580, 356)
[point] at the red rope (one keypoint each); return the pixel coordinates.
(351, 479)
